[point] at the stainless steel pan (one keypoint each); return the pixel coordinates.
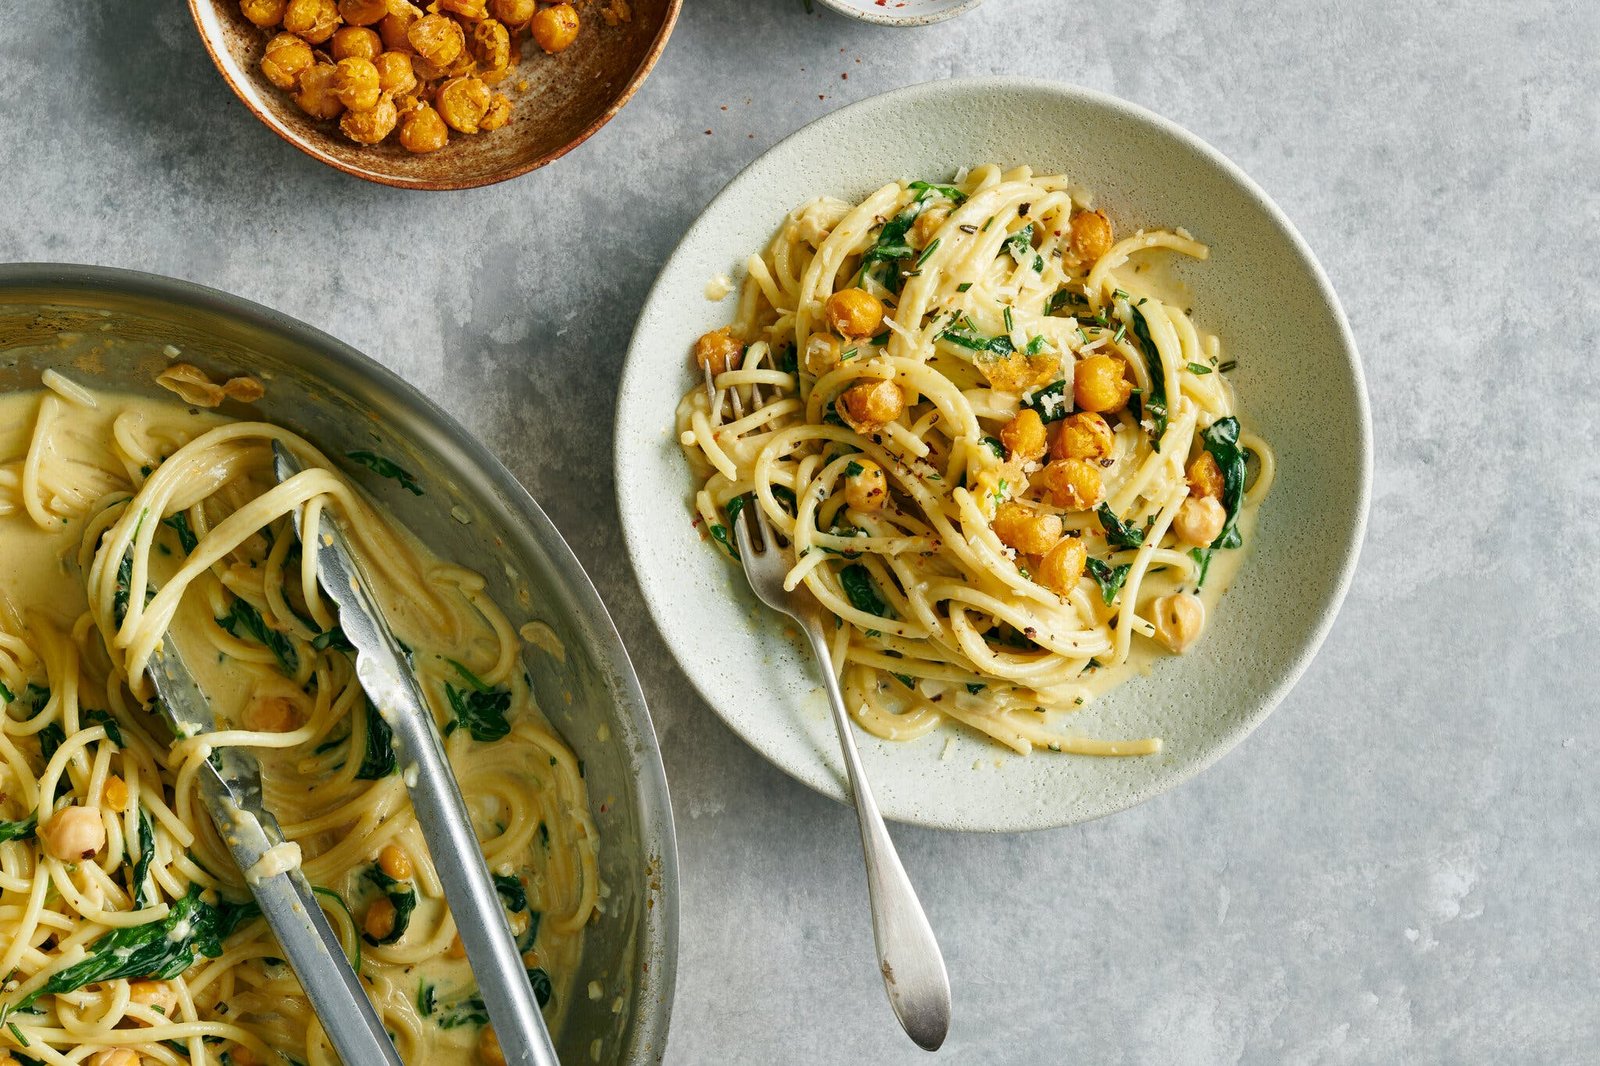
(109, 328)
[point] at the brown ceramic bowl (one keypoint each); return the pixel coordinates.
(569, 97)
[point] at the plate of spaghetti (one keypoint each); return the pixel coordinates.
(1060, 417)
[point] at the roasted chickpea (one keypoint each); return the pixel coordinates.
(467, 9)
(115, 1056)
(355, 82)
(394, 73)
(362, 12)
(1200, 520)
(317, 97)
(115, 794)
(555, 28)
(854, 313)
(395, 27)
(822, 353)
(1062, 566)
(1100, 384)
(1205, 476)
(1091, 235)
(927, 225)
(513, 12)
(1024, 436)
(865, 487)
(372, 126)
(380, 919)
(157, 994)
(272, 714)
(423, 130)
(263, 13)
(489, 1052)
(393, 861)
(1072, 483)
(462, 103)
(311, 20)
(1084, 435)
(491, 45)
(1178, 619)
(499, 112)
(286, 58)
(718, 350)
(871, 405)
(1027, 531)
(356, 42)
(436, 38)
(73, 833)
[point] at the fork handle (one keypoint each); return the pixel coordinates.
(908, 955)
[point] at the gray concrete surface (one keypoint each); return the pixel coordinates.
(1403, 865)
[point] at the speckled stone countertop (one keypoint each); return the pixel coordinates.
(1403, 864)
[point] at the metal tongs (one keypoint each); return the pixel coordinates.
(230, 785)
(383, 670)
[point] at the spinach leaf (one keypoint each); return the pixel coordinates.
(387, 468)
(103, 718)
(719, 533)
(1109, 578)
(1118, 533)
(1020, 243)
(1050, 402)
(378, 761)
(51, 737)
(949, 192)
(426, 999)
(404, 899)
(1155, 404)
(785, 498)
(734, 506)
(481, 711)
(119, 596)
(861, 590)
(1064, 297)
(964, 334)
(525, 941)
(995, 446)
(1222, 441)
(244, 616)
(891, 247)
(158, 950)
(141, 868)
(6, 695)
(542, 990)
(19, 830)
(1202, 559)
(511, 892)
(333, 638)
(180, 523)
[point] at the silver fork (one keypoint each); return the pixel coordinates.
(908, 955)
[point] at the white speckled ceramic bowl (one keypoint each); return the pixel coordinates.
(900, 12)
(1299, 383)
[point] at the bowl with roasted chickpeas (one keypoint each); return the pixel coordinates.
(448, 94)
(883, 334)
